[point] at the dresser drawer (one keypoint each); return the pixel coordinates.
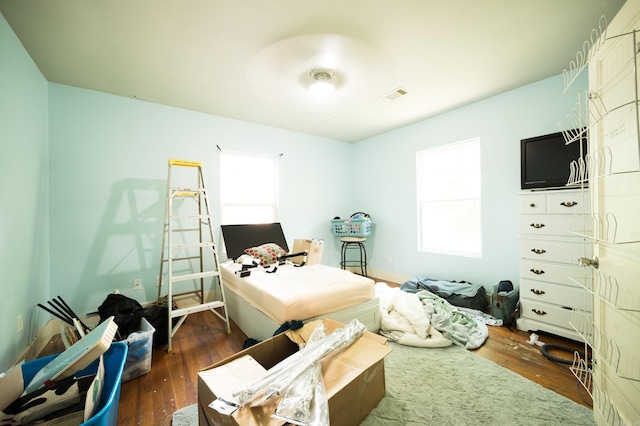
(554, 251)
(553, 272)
(547, 225)
(555, 294)
(535, 203)
(567, 202)
(545, 312)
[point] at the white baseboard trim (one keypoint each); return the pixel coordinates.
(387, 276)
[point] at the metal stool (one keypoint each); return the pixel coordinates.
(354, 243)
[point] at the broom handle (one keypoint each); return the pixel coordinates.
(55, 314)
(68, 309)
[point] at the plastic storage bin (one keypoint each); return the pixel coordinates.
(140, 345)
(351, 227)
(114, 359)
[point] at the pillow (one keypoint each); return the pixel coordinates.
(266, 253)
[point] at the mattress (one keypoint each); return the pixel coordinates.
(298, 293)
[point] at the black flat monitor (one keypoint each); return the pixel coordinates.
(545, 161)
(237, 238)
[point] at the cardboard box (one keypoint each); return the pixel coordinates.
(354, 378)
(313, 248)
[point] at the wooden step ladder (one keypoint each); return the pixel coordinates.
(189, 267)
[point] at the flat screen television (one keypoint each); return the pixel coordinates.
(545, 161)
(237, 238)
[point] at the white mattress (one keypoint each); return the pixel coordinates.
(293, 293)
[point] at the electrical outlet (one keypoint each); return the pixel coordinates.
(20, 324)
(137, 284)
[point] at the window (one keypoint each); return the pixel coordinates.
(248, 188)
(449, 216)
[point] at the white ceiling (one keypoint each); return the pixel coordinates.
(250, 59)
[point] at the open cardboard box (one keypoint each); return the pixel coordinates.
(314, 249)
(354, 378)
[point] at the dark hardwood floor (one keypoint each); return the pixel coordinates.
(172, 382)
(510, 349)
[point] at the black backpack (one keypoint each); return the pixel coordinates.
(125, 312)
(505, 301)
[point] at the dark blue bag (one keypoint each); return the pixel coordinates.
(504, 302)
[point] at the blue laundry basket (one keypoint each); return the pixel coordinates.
(351, 227)
(114, 360)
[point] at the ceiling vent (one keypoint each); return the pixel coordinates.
(394, 94)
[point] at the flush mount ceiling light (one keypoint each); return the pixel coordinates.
(323, 83)
(322, 87)
(285, 70)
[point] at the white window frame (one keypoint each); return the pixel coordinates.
(248, 188)
(449, 203)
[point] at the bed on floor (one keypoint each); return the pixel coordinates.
(274, 294)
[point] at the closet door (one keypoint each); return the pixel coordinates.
(614, 158)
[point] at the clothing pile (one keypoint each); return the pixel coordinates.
(424, 319)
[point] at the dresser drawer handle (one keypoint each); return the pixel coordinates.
(568, 203)
(538, 312)
(532, 205)
(537, 225)
(538, 251)
(537, 272)
(536, 291)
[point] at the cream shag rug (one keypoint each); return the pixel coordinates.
(453, 386)
(187, 416)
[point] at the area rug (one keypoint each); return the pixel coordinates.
(453, 386)
(187, 416)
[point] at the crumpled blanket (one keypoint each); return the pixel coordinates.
(424, 319)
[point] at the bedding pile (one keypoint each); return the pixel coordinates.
(424, 319)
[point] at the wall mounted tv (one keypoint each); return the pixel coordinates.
(545, 161)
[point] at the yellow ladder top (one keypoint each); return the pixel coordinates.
(185, 163)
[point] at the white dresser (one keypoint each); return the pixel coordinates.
(549, 254)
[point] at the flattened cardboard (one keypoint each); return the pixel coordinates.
(354, 378)
(11, 386)
(228, 378)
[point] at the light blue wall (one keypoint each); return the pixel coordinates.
(24, 195)
(108, 180)
(101, 160)
(384, 181)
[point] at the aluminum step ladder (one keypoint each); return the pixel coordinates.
(189, 267)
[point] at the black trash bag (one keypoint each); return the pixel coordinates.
(158, 317)
(125, 312)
